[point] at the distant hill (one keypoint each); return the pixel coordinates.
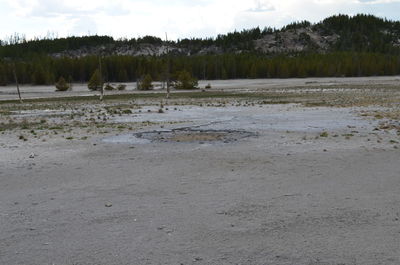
(340, 45)
(336, 33)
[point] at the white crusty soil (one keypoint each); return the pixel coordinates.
(286, 194)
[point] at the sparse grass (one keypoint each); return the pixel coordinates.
(56, 128)
(87, 112)
(126, 111)
(5, 112)
(309, 95)
(348, 135)
(324, 134)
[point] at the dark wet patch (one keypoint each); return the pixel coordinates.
(195, 135)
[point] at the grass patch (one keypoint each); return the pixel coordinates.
(348, 135)
(324, 134)
(271, 97)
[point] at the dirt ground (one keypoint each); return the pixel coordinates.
(287, 175)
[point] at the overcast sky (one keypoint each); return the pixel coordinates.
(180, 18)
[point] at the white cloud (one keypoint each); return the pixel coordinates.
(180, 18)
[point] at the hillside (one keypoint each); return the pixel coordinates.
(336, 33)
(337, 46)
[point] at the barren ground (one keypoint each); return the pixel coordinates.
(302, 172)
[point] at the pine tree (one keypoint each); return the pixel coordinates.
(224, 74)
(146, 83)
(122, 75)
(62, 85)
(253, 71)
(95, 81)
(40, 76)
(186, 81)
(3, 77)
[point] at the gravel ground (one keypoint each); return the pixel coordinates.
(291, 185)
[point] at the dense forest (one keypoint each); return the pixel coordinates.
(361, 45)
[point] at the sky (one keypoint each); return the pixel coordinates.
(179, 18)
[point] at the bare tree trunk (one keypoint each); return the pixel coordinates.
(16, 82)
(101, 81)
(204, 69)
(168, 62)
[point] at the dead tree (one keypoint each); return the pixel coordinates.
(168, 67)
(101, 81)
(16, 82)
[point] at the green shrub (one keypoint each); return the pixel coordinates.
(146, 83)
(185, 81)
(121, 87)
(62, 85)
(109, 87)
(324, 134)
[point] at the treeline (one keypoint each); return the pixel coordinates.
(19, 47)
(361, 33)
(46, 69)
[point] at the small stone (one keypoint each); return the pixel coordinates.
(32, 155)
(108, 204)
